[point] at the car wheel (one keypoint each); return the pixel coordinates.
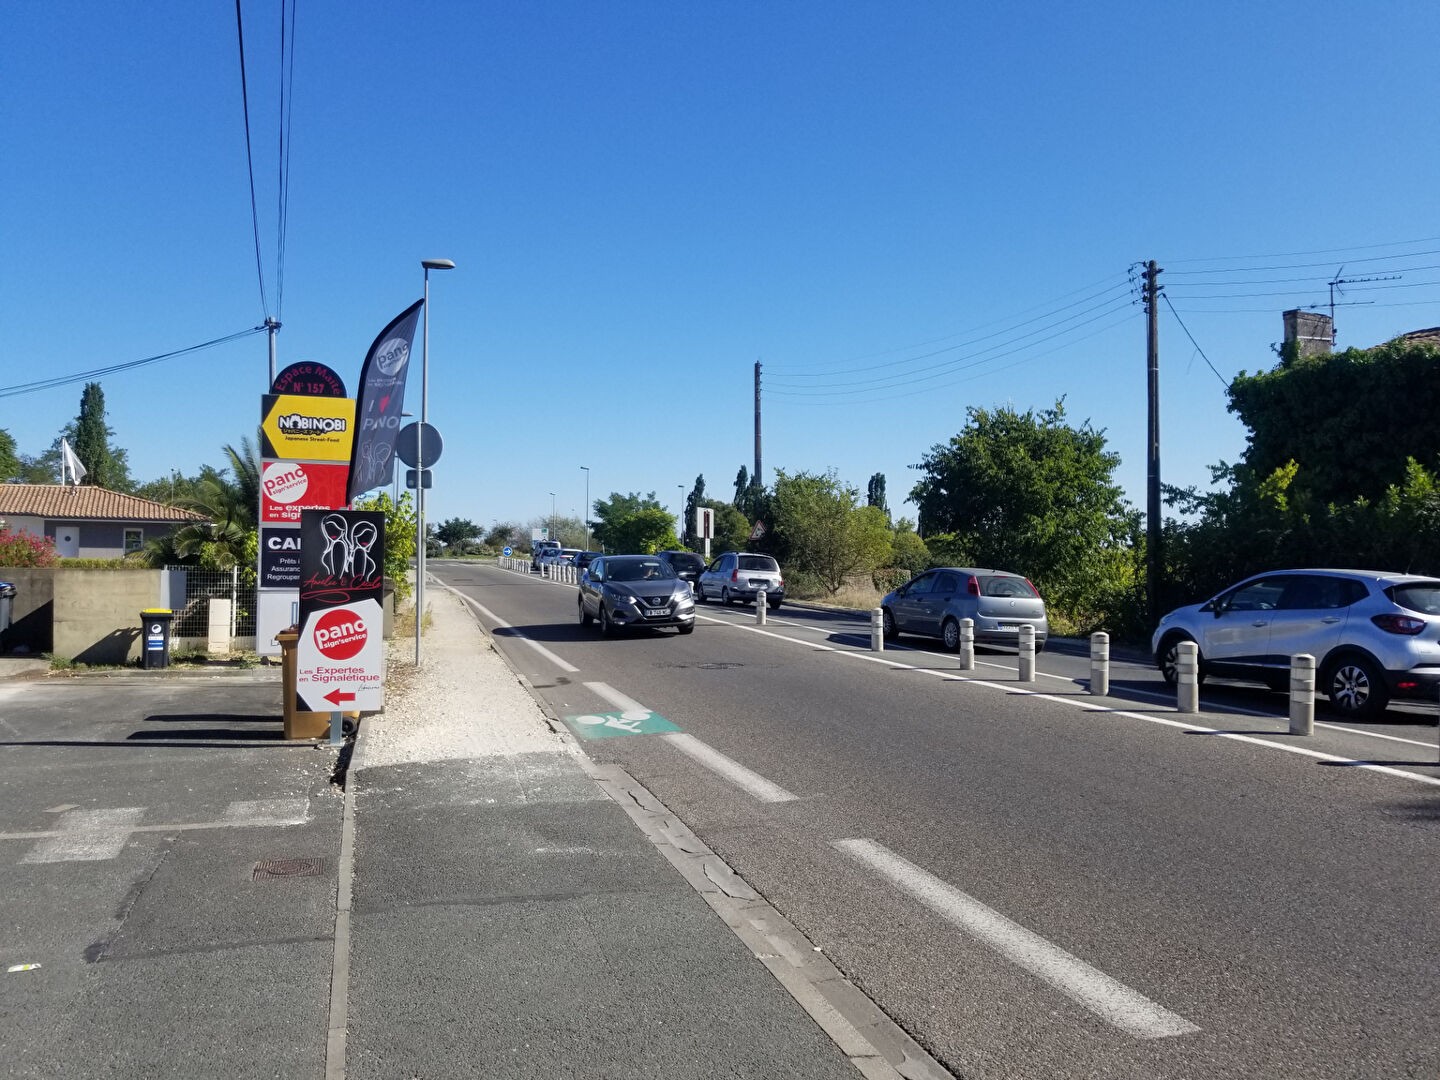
(607, 628)
(775, 604)
(887, 621)
(688, 628)
(724, 596)
(585, 617)
(1356, 687)
(1169, 657)
(699, 594)
(950, 635)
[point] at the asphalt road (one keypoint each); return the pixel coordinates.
(1032, 881)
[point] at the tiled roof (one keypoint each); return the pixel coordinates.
(69, 503)
(1421, 337)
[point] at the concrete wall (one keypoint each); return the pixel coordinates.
(91, 616)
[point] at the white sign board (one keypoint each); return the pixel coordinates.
(340, 659)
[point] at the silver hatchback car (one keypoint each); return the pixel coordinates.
(739, 577)
(996, 601)
(1374, 635)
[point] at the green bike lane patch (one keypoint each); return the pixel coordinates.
(611, 725)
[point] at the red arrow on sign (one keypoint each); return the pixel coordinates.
(335, 697)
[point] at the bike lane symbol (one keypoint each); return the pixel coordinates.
(613, 724)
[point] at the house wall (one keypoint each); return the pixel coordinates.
(33, 525)
(106, 539)
(30, 611)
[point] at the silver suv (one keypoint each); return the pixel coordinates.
(739, 577)
(1374, 635)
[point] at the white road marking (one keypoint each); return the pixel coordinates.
(1089, 706)
(86, 836)
(746, 779)
(563, 665)
(1112, 1001)
(729, 768)
(262, 812)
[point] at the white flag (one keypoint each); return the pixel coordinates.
(70, 461)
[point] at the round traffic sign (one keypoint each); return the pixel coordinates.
(414, 438)
(506, 551)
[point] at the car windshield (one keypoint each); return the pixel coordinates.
(758, 562)
(639, 570)
(687, 562)
(1422, 596)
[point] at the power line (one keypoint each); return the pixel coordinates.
(1304, 266)
(1193, 341)
(250, 162)
(96, 373)
(842, 370)
(1319, 251)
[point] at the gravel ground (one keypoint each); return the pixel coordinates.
(463, 701)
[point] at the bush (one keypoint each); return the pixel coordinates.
(25, 549)
(888, 578)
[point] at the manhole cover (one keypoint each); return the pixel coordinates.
(274, 869)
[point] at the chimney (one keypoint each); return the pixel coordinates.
(1312, 332)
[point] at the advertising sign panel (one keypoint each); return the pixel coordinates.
(288, 487)
(381, 401)
(306, 428)
(309, 377)
(340, 657)
(279, 558)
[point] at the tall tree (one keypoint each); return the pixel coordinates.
(105, 466)
(875, 494)
(742, 485)
(824, 530)
(9, 456)
(1025, 492)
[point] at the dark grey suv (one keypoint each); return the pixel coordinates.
(687, 565)
(621, 591)
(739, 576)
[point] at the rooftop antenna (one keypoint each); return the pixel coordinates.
(1337, 282)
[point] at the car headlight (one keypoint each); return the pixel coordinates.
(684, 600)
(617, 597)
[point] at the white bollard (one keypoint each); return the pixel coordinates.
(1187, 677)
(1100, 663)
(760, 607)
(967, 645)
(1027, 653)
(1302, 694)
(877, 630)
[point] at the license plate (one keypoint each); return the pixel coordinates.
(1008, 626)
(656, 612)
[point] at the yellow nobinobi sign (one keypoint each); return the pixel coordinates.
(297, 427)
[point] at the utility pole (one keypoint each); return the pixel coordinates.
(1154, 563)
(756, 478)
(271, 327)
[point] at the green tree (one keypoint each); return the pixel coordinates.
(875, 494)
(612, 514)
(642, 533)
(456, 531)
(1349, 420)
(742, 485)
(908, 550)
(1029, 493)
(105, 466)
(9, 456)
(505, 532)
(400, 523)
(826, 534)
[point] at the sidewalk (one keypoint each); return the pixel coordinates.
(509, 919)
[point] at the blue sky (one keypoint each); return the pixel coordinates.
(644, 199)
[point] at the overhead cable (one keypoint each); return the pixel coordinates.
(97, 373)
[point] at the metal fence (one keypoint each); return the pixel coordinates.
(193, 589)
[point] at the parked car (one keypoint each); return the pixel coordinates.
(539, 548)
(996, 601)
(622, 591)
(1374, 635)
(585, 558)
(739, 576)
(686, 564)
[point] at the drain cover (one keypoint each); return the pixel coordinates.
(275, 869)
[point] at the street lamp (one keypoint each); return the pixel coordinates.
(680, 514)
(428, 264)
(552, 515)
(586, 468)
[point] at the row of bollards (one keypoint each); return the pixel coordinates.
(1187, 669)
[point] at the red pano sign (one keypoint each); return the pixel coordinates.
(288, 487)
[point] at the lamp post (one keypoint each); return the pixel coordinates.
(552, 515)
(680, 515)
(395, 473)
(428, 264)
(586, 469)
